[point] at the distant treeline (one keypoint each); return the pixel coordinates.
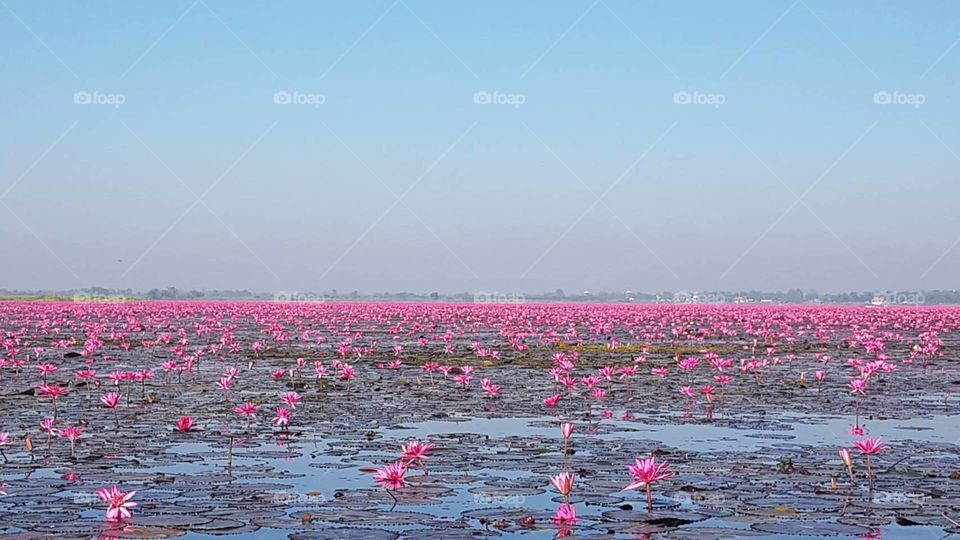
(792, 296)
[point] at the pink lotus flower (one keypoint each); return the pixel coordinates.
(552, 400)
(110, 399)
(490, 388)
(564, 484)
(54, 392)
(847, 461)
(566, 429)
(291, 398)
(72, 433)
(347, 372)
(282, 418)
(184, 424)
(869, 447)
(118, 503)
(417, 452)
(590, 381)
(49, 425)
(645, 472)
(607, 372)
(249, 409)
(46, 369)
(391, 477)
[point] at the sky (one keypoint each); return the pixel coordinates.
(500, 146)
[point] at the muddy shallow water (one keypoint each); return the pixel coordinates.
(760, 461)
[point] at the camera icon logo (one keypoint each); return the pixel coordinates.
(882, 98)
(82, 98)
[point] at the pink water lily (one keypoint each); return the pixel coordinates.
(184, 424)
(869, 447)
(564, 484)
(645, 472)
(118, 503)
(417, 452)
(282, 417)
(72, 434)
(391, 477)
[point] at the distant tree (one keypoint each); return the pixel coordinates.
(794, 296)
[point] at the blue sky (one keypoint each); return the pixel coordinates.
(590, 169)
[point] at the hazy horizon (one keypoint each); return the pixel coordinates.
(406, 145)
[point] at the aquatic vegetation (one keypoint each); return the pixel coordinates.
(722, 392)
